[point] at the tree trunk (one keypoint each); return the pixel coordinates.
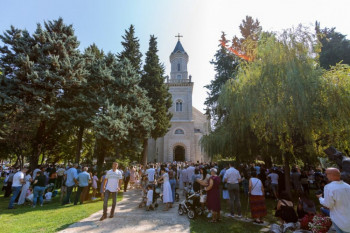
(144, 152)
(37, 144)
(287, 172)
(100, 154)
(79, 143)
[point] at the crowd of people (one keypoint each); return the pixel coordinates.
(214, 183)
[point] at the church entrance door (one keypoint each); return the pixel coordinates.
(179, 153)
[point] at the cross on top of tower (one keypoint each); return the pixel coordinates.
(178, 36)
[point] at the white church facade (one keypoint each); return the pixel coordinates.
(188, 125)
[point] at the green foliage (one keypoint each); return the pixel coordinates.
(57, 104)
(226, 63)
(157, 92)
(335, 47)
(40, 70)
(131, 50)
(282, 102)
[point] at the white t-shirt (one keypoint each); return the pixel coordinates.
(48, 196)
(113, 180)
(150, 172)
(274, 178)
(256, 186)
(232, 176)
(17, 179)
(337, 199)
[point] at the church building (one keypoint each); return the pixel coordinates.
(188, 125)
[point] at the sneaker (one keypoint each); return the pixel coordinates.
(230, 215)
(238, 216)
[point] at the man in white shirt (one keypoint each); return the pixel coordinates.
(71, 180)
(150, 173)
(337, 199)
(111, 186)
(232, 178)
(17, 183)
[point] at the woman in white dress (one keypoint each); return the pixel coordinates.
(167, 193)
(25, 187)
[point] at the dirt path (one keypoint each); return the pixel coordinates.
(129, 218)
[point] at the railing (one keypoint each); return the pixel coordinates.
(178, 80)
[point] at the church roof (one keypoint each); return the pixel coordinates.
(179, 48)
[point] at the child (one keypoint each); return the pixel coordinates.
(94, 186)
(29, 194)
(149, 198)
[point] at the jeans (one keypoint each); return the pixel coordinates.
(173, 185)
(69, 192)
(233, 191)
(15, 192)
(38, 192)
(80, 194)
(126, 182)
(325, 211)
(338, 230)
(105, 201)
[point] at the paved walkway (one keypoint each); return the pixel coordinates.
(128, 218)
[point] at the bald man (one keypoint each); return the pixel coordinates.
(337, 199)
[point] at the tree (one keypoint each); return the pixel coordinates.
(131, 49)
(157, 92)
(335, 47)
(226, 63)
(38, 71)
(124, 113)
(285, 99)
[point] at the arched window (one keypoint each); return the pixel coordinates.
(178, 106)
(179, 131)
(178, 67)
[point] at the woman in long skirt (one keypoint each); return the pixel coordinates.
(25, 187)
(257, 198)
(167, 193)
(180, 178)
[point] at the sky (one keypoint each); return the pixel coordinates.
(201, 22)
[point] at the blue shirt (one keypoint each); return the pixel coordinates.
(71, 175)
(257, 168)
(83, 178)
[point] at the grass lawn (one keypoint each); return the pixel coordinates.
(201, 225)
(51, 217)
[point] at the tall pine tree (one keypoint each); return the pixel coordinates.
(131, 50)
(39, 71)
(157, 92)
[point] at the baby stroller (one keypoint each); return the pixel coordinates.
(191, 205)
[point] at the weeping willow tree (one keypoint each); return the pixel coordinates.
(282, 101)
